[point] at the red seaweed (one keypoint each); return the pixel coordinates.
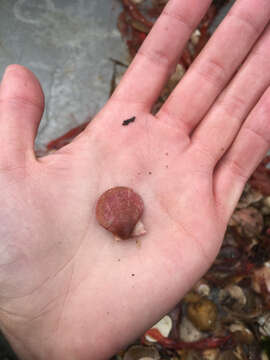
(66, 138)
(207, 343)
(136, 14)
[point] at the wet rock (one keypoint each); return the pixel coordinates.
(203, 314)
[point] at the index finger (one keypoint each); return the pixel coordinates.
(158, 55)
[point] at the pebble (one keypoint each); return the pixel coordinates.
(203, 314)
(139, 352)
(188, 332)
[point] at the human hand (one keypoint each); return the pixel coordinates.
(68, 290)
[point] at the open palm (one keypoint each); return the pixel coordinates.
(68, 290)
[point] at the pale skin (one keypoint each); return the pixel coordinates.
(67, 289)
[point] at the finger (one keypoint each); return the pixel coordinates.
(21, 108)
(247, 151)
(230, 110)
(159, 53)
(216, 64)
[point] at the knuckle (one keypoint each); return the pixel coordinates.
(180, 18)
(237, 169)
(264, 136)
(158, 53)
(248, 21)
(213, 71)
(156, 56)
(232, 104)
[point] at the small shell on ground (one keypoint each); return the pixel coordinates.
(202, 288)
(119, 210)
(139, 229)
(164, 326)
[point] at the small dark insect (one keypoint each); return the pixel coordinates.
(128, 121)
(119, 211)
